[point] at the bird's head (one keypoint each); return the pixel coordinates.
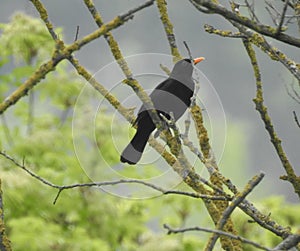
(184, 67)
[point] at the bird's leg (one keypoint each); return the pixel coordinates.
(169, 121)
(165, 120)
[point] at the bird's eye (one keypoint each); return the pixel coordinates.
(187, 60)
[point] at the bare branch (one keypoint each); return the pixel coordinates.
(267, 30)
(44, 16)
(129, 14)
(223, 33)
(62, 52)
(251, 10)
(295, 96)
(282, 17)
(168, 26)
(219, 232)
(22, 166)
(272, 52)
(260, 107)
(190, 145)
(77, 33)
(296, 119)
(288, 243)
(291, 5)
(188, 50)
(273, 16)
(61, 188)
(127, 113)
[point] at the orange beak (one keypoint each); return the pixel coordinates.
(197, 60)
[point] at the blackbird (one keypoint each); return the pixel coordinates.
(172, 95)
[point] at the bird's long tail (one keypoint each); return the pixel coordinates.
(134, 150)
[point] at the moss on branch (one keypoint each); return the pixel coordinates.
(168, 27)
(262, 109)
(211, 7)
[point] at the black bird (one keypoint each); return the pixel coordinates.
(172, 95)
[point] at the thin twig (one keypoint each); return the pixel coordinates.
(282, 17)
(224, 33)
(296, 119)
(165, 69)
(77, 33)
(129, 14)
(295, 96)
(127, 113)
(291, 5)
(175, 145)
(188, 50)
(22, 166)
(271, 8)
(187, 142)
(168, 27)
(251, 10)
(261, 43)
(267, 30)
(219, 232)
(61, 188)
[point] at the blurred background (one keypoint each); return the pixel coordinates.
(227, 67)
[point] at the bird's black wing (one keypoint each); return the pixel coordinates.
(169, 96)
(143, 111)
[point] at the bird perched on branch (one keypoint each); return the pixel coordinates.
(171, 96)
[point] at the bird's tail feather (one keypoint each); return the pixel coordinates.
(134, 150)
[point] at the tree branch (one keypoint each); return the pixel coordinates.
(296, 119)
(284, 9)
(219, 232)
(61, 188)
(288, 243)
(115, 49)
(168, 26)
(223, 33)
(259, 41)
(262, 109)
(239, 197)
(62, 52)
(266, 30)
(44, 16)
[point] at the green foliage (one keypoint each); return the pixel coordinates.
(51, 236)
(26, 39)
